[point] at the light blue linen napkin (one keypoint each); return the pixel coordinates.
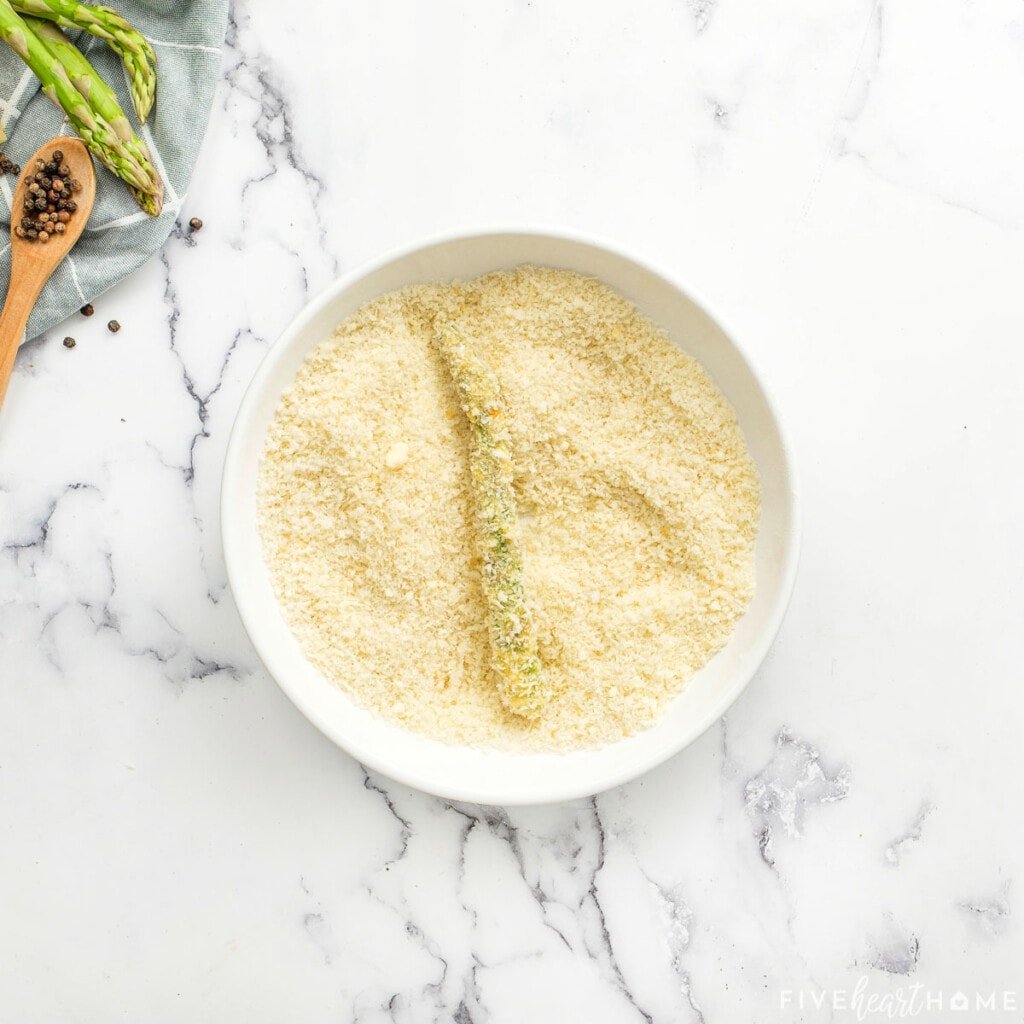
(187, 36)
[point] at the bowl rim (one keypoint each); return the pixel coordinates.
(230, 498)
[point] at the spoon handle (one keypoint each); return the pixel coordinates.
(27, 280)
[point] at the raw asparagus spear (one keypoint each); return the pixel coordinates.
(104, 104)
(514, 656)
(102, 140)
(123, 38)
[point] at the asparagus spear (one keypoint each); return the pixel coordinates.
(514, 657)
(102, 140)
(104, 104)
(123, 38)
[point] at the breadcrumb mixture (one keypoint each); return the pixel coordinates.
(638, 506)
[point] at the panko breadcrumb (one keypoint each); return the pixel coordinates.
(637, 499)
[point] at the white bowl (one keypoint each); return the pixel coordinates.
(488, 776)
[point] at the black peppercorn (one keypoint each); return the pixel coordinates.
(87, 309)
(113, 327)
(47, 202)
(69, 342)
(195, 224)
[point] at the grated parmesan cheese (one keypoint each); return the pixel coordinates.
(638, 506)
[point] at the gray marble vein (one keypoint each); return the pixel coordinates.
(895, 851)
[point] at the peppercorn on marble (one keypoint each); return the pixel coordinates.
(842, 180)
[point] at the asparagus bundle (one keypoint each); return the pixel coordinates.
(91, 106)
(123, 38)
(145, 183)
(514, 656)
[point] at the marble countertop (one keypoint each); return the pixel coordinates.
(842, 179)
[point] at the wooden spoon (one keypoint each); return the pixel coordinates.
(32, 261)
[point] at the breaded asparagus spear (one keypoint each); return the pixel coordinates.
(514, 656)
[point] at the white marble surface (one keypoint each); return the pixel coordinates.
(178, 844)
